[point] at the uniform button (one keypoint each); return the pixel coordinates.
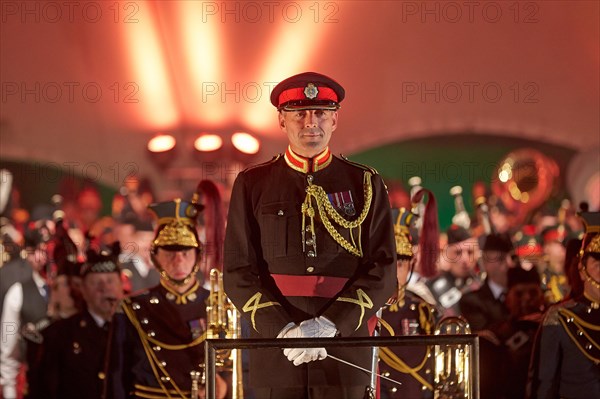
(310, 241)
(135, 306)
(151, 333)
(154, 300)
(165, 379)
(163, 363)
(280, 212)
(311, 254)
(310, 269)
(144, 321)
(309, 178)
(101, 375)
(156, 348)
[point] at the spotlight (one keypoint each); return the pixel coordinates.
(161, 143)
(208, 142)
(161, 149)
(245, 143)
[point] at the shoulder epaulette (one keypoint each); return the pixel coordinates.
(274, 159)
(553, 313)
(360, 165)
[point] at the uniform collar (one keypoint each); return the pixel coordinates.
(181, 299)
(308, 165)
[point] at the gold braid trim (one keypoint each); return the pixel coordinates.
(580, 324)
(426, 317)
(181, 299)
(362, 300)
(392, 360)
(387, 326)
(253, 304)
(154, 362)
(326, 211)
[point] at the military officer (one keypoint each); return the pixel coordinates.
(566, 359)
(73, 352)
(309, 249)
(161, 338)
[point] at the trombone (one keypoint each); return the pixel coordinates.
(453, 367)
(223, 321)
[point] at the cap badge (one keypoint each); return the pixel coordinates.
(311, 91)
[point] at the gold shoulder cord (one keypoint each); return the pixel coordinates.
(327, 212)
(152, 359)
(581, 326)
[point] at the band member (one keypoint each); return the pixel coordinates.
(485, 309)
(73, 353)
(24, 312)
(309, 249)
(459, 263)
(161, 338)
(566, 359)
(525, 303)
(407, 313)
(554, 280)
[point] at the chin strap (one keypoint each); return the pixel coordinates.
(178, 283)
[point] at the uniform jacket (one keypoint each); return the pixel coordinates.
(273, 280)
(566, 358)
(157, 342)
(414, 316)
(482, 310)
(72, 359)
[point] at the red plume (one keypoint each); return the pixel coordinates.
(214, 223)
(429, 245)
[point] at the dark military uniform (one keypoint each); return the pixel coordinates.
(276, 272)
(164, 335)
(72, 359)
(566, 361)
(411, 366)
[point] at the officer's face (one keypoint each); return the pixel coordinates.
(177, 264)
(102, 293)
(308, 131)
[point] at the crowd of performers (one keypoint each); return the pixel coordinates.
(531, 292)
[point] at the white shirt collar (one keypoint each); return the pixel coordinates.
(496, 288)
(98, 319)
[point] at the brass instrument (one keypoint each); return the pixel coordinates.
(525, 180)
(453, 375)
(223, 321)
(195, 386)
(461, 217)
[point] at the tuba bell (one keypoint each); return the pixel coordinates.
(453, 368)
(223, 321)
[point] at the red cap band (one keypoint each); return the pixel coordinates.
(297, 93)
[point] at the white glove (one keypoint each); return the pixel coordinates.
(319, 327)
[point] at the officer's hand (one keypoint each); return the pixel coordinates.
(304, 355)
(319, 327)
